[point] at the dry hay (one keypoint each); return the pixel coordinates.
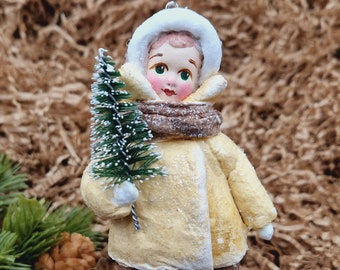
(282, 61)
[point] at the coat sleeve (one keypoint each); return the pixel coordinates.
(100, 200)
(251, 198)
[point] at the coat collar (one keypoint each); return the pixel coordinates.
(141, 89)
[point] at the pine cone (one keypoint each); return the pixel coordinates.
(74, 252)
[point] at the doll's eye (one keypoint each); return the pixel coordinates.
(185, 75)
(160, 69)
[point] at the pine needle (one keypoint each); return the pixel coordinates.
(30, 227)
(35, 232)
(10, 182)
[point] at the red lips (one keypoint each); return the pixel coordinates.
(169, 92)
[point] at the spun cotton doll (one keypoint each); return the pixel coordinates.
(198, 216)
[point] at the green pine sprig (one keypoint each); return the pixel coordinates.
(8, 255)
(11, 182)
(31, 227)
(78, 220)
(120, 147)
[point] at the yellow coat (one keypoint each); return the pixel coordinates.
(196, 217)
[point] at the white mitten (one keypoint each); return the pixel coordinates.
(125, 193)
(266, 232)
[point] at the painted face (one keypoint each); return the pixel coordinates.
(173, 72)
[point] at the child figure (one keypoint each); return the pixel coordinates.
(198, 216)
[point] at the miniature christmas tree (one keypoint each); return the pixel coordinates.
(120, 148)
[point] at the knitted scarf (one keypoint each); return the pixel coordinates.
(180, 120)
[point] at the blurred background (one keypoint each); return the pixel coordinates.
(282, 62)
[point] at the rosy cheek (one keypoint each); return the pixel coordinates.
(155, 81)
(184, 91)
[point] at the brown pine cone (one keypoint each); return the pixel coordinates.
(74, 252)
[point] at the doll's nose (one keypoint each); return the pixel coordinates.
(171, 81)
(171, 84)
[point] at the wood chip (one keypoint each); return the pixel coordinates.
(282, 62)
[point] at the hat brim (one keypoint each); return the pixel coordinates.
(177, 19)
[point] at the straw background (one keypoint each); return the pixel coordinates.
(282, 62)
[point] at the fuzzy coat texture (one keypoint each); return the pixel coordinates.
(196, 217)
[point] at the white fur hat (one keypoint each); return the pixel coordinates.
(177, 19)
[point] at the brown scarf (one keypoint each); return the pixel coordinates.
(180, 120)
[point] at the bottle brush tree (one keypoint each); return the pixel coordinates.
(120, 139)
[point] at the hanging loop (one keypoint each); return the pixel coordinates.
(171, 4)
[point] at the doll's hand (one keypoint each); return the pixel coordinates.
(125, 193)
(266, 232)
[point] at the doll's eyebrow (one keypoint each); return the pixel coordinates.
(192, 62)
(157, 54)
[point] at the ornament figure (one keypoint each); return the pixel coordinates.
(198, 215)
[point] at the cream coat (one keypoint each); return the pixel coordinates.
(198, 216)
